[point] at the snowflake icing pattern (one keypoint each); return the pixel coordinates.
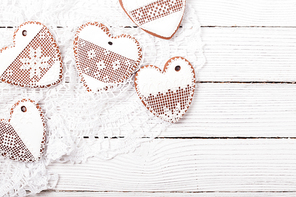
(128, 63)
(97, 75)
(35, 62)
(101, 65)
(91, 54)
(116, 64)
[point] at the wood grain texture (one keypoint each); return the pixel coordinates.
(239, 110)
(246, 54)
(213, 13)
(249, 54)
(245, 13)
(234, 110)
(189, 166)
(236, 52)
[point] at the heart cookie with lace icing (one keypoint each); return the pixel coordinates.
(168, 93)
(160, 18)
(34, 60)
(22, 137)
(103, 60)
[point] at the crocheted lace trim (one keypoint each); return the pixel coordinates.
(83, 124)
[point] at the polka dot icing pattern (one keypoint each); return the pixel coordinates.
(22, 137)
(167, 94)
(34, 60)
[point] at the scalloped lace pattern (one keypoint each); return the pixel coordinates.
(83, 124)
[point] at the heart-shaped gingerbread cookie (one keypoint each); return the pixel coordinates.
(160, 18)
(167, 94)
(22, 137)
(34, 60)
(103, 60)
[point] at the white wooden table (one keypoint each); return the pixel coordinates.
(239, 136)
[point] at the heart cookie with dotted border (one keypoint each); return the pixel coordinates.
(34, 60)
(103, 60)
(160, 18)
(22, 137)
(168, 93)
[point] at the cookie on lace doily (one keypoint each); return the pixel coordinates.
(160, 18)
(103, 60)
(167, 94)
(22, 137)
(34, 60)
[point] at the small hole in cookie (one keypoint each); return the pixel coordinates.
(178, 68)
(23, 108)
(24, 33)
(110, 43)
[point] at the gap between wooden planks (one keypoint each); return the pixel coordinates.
(249, 55)
(245, 13)
(230, 110)
(269, 56)
(246, 54)
(182, 165)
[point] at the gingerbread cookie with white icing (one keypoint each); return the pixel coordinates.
(103, 61)
(22, 137)
(160, 18)
(34, 60)
(168, 93)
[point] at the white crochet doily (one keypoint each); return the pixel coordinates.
(83, 124)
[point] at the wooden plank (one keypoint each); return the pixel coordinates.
(210, 13)
(224, 110)
(249, 54)
(262, 110)
(241, 54)
(188, 165)
(162, 194)
(245, 110)
(245, 13)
